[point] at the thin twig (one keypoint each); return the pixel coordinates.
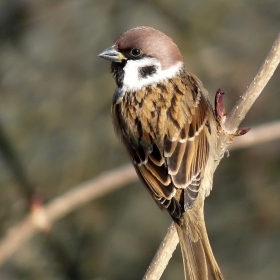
(246, 101)
(63, 205)
(160, 261)
(84, 192)
(87, 191)
(258, 135)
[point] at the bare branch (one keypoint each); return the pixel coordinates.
(84, 192)
(102, 185)
(229, 128)
(163, 255)
(246, 101)
(63, 205)
(258, 135)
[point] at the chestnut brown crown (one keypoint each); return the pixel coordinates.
(152, 42)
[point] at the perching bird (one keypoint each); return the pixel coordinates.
(162, 114)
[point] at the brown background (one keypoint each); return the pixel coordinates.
(55, 96)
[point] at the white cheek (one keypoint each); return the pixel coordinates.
(131, 79)
(133, 82)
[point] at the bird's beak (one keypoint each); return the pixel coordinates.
(112, 54)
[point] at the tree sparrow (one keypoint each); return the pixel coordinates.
(162, 114)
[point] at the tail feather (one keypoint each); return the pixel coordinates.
(199, 261)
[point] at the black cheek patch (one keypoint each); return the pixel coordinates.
(146, 71)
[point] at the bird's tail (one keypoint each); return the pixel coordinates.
(198, 258)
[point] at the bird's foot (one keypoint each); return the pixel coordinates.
(220, 113)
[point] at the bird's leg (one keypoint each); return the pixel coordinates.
(220, 113)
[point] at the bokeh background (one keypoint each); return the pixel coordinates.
(56, 131)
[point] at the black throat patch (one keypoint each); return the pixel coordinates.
(118, 72)
(146, 71)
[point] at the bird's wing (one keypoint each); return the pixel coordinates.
(166, 131)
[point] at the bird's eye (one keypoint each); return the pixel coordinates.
(135, 52)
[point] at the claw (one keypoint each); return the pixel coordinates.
(220, 113)
(241, 131)
(220, 110)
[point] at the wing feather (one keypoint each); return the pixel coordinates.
(168, 139)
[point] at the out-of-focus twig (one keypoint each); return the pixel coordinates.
(87, 191)
(95, 188)
(258, 135)
(65, 204)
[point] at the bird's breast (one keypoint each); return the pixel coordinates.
(144, 114)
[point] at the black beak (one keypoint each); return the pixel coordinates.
(112, 54)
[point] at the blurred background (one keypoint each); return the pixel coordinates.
(56, 131)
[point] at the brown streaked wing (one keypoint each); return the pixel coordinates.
(147, 158)
(155, 183)
(188, 154)
(177, 159)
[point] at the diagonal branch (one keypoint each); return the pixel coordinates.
(87, 191)
(246, 101)
(229, 128)
(168, 246)
(42, 217)
(260, 134)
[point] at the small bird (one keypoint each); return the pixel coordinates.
(163, 116)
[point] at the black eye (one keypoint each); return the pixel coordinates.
(135, 52)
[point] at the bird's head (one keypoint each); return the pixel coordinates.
(143, 56)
